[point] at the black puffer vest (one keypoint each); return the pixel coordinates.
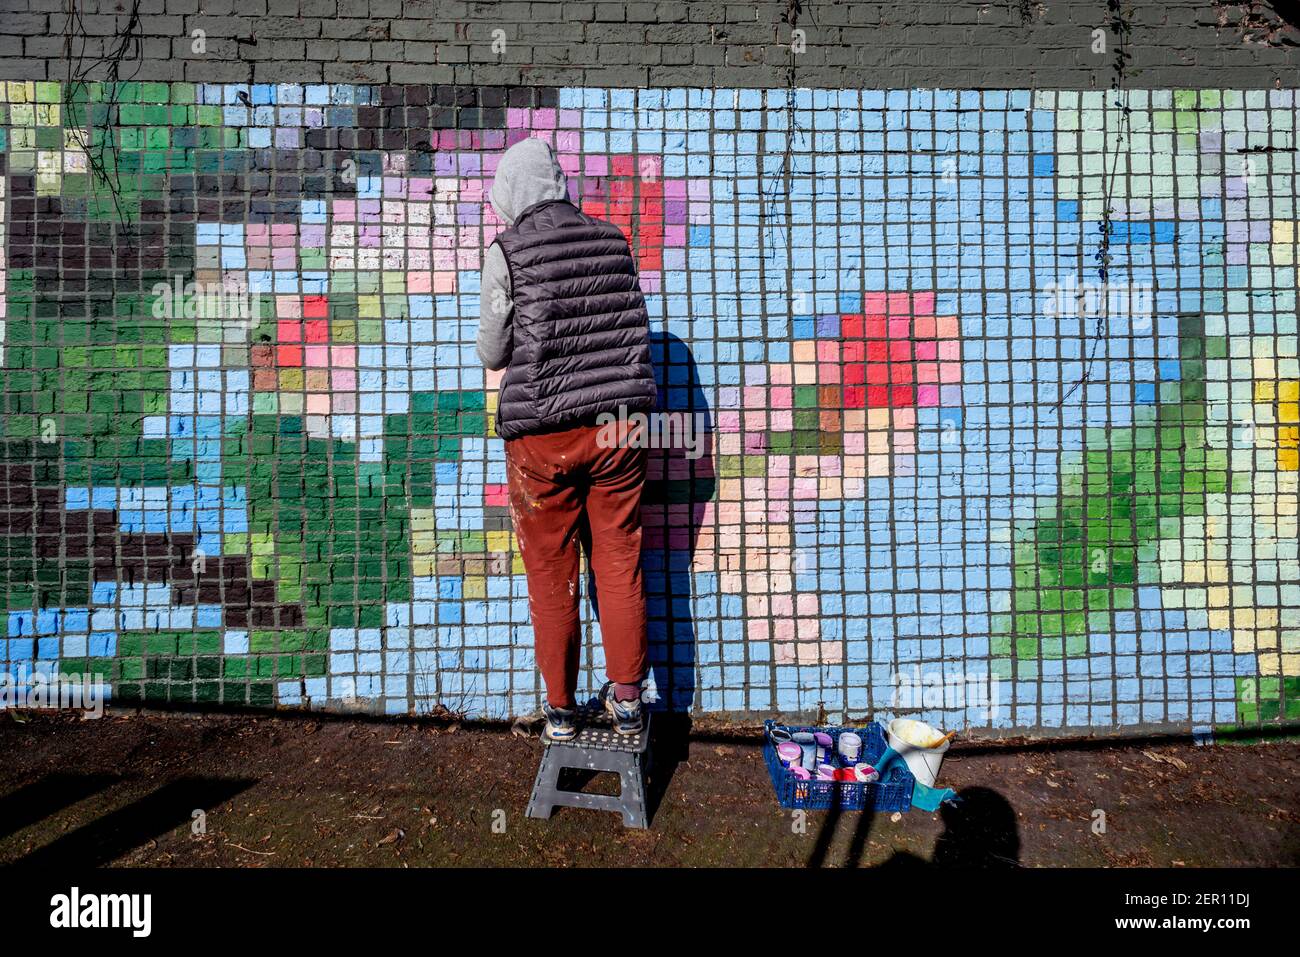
(580, 329)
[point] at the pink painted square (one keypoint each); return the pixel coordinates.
(783, 630)
(806, 487)
(569, 144)
(420, 189)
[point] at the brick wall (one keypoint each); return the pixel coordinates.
(956, 45)
(994, 369)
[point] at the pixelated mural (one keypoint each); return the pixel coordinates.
(1000, 392)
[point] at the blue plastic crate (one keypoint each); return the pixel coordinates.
(892, 793)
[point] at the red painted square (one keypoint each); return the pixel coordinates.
(877, 373)
(315, 307)
(902, 396)
(877, 396)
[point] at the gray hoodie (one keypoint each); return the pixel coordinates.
(528, 174)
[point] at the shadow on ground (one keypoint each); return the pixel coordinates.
(299, 791)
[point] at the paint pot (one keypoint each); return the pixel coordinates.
(789, 753)
(778, 735)
(849, 747)
(825, 772)
(808, 744)
(865, 773)
(916, 741)
(823, 739)
(844, 774)
(802, 774)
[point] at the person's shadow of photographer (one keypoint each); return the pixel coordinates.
(979, 832)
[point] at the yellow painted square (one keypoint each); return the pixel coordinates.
(1283, 231)
(291, 380)
(22, 91)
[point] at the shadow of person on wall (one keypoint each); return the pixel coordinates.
(681, 481)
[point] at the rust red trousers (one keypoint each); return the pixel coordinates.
(568, 492)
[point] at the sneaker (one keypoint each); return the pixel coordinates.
(561, 724)
(627, 715)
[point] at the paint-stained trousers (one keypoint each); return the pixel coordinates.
(568, 492)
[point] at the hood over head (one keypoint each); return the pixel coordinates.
(528, 173)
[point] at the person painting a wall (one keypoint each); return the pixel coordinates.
(561, 310)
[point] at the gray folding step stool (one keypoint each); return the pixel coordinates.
(596, 747)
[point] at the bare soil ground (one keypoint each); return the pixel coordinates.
(289, 791)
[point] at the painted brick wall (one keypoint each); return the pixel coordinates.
(998, 368)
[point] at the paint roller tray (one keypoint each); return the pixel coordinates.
(893, 793)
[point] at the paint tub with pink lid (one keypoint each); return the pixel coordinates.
(789, 753)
